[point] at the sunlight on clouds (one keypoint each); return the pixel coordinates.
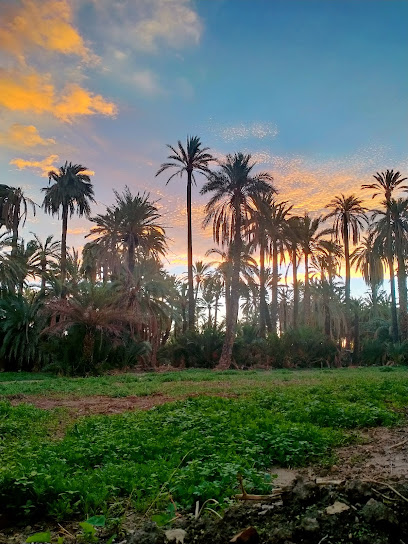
(24, 136)
(35, 93)
(78, 101)
(47, 24)
(43, 166)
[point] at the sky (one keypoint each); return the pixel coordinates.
(316, 90)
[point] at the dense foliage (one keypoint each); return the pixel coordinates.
(117, 302)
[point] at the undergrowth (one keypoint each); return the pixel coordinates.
(182, 452)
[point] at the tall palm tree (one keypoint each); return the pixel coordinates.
(71, 192)
(233, 186)
(293, 230)
(387, 183)
(13, 211)
(349, 219)
(393, 223)
(191, 159)
(310, 239)
(370, 265)
(201, 271)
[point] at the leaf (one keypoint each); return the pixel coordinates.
(40, 537)
(161, 519)
(112, 538)
(97, 521)
(87, 528)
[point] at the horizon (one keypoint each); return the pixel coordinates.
(319, 98)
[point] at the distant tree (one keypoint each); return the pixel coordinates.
(229, 211)
(13, 211)
(192, 159)
(71, 192)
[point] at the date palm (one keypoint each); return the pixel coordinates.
(190, 160)
(349, 220)
(72, 192)
(13, 211)
(387, 183)
(232, 188)
(371, 267)
(132, 223)
(310, 239)
(395, 211)
(43, 255)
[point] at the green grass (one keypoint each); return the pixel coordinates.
(190, 450)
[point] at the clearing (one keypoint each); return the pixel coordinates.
(125, 445)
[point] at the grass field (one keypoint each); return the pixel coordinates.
(54, 463)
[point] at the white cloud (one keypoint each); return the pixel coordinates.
(245, 131)
(147, 82)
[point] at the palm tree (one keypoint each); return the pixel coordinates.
(267, 229)
(96, 310)
(13, 210)
(43, 255)
(191, 159)
(310, 239)
(132, 222)
(349, 218)
(71, 192)
(387, 183)
(11, 269)
(293, 229)
(229, 210)
(370, 265)
(393, 223)
(200, 273)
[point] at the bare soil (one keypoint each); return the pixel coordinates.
(101, 404)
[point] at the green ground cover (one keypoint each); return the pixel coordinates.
(52, 464)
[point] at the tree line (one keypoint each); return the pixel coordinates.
(119, 304)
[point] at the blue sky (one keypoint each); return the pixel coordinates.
(316, 90)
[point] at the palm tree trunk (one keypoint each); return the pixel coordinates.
(191, 302)
(402, 292)
(274, 305)
(262, 291)
(295, 290)
(390, 259)
(131, 255)
(347, 283)
(307, 291)
(216, 312)
(43, 275)
(64, 248)
(231, 319)
(14, 240)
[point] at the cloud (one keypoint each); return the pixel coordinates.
(244, 131)
(35, 93)
(147, 82)
(165, 22)
(148, 25)
(43, 166)
(24, 137)
(46, 24)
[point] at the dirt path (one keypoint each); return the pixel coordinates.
(100, 404)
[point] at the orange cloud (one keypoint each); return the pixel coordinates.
(35, 93)
(24, 136)
(47, 24)
(79, 101)
(43, 166)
